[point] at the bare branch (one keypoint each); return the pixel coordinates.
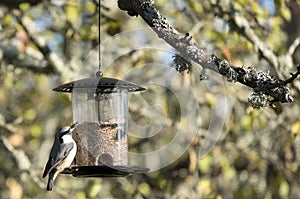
(294, 46)
(54, 63)
(243, 26)
(43, 49)
(261, 82)
(20, 156)
(294, 76)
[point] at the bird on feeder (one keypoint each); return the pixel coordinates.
(62, 154)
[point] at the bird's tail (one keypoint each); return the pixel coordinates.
(52, 177)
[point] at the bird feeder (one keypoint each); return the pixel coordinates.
(100, 106)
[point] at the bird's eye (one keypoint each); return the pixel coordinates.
(66, 132)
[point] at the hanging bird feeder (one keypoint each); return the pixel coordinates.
(100, 106)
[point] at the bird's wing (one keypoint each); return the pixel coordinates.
(57, 157)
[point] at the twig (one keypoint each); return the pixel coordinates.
(54, 63)
(294, 46)
(294, 76)
(43, 49)
(243, 27)
(20, 156)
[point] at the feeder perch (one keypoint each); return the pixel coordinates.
(100, 106)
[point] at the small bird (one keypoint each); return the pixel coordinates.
(62, 154)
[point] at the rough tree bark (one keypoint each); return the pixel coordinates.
(267, 89)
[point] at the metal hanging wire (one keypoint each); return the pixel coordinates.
(99, 72)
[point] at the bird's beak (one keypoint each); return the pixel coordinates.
(74, 126)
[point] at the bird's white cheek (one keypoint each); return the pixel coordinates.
(67, 139)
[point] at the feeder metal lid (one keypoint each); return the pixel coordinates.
(100, 84)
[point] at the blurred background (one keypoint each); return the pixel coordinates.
(252, 153)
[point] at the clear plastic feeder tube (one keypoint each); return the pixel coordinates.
(101, 135)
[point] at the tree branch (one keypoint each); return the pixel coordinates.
(294, 46)
(43, 49)
(294, 76)
(281, 63)
(261, 82)
(242, 25)
(54, 64)
(20, 156)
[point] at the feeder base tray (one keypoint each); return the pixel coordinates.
(104, 171)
